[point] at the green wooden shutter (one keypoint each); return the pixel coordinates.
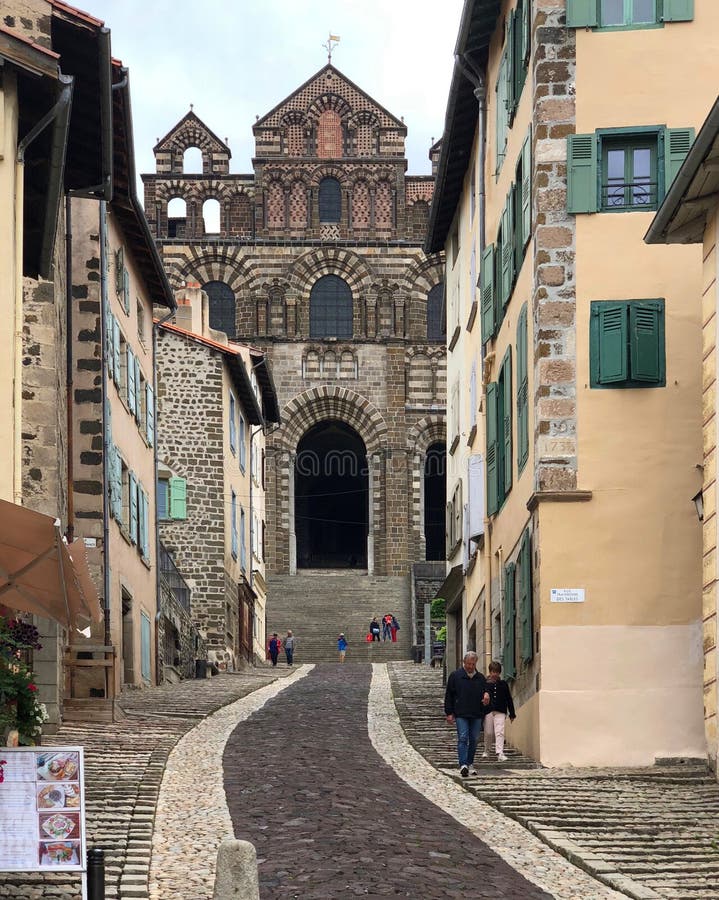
(509, 39)
(133, 507)
(677, 142)
(178, 498)
(506, 380)
(526, 227)
(131, 390)
(486, 281)
(119, 270)
(525, 599)
(150, 414)
(508, 247)
(678, 10)
(581, 173)
(508, 661)
(612, 342)
(117, 372)
(522, 391)
(646, 342)
(526, 33)
(144, 523)
(138, 391)
(126, 290)
(116, 485)
(109, 341)
(492, 451)
(582, 13)
(501, 113)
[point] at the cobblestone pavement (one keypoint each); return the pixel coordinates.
(650, 832)
(124, 764)
(330, 818)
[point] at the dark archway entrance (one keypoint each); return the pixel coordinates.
(331, 498)
(435, 499)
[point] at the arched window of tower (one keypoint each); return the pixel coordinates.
(330, 308)
(330, 200)
(211, 216)
(222, 307)
(176, 217)
(436, 329)
(435, 496)
(192, 161)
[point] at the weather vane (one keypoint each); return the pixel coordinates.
(329, 46)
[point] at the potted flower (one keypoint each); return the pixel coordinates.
(21, 712)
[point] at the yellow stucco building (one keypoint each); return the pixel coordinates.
(690, 215)
(574, 398)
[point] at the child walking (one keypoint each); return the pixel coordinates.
(500, 705)
(342, 646)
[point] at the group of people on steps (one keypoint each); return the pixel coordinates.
(274, 646)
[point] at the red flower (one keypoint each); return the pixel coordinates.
(32, 687)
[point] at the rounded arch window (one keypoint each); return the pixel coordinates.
(330, 200)
(331, 308)
(436, 330)
(222, 307)
(192, 161)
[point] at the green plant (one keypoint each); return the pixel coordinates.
(438, 608)
(442, 634)
(20, 707)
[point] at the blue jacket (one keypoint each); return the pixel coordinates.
(342, 644)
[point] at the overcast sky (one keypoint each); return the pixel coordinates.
(236, 59)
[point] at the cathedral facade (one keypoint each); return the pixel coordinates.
(316, 257)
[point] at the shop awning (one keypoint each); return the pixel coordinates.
(40, 573)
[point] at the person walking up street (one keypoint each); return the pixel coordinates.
(342, 646)
(394, 628)
(274, 648)
(290, 641)
(374, 629)
(387, 626)
(465, 703)
(500, 705)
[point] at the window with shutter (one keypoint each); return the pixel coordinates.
(243, 443)
(163, 498)
(233, 425)
(622, 14)
(178, 498)
(150, 415)
(139, 394)
(500, 93)
(486, 281)
(677, 142)
(508, 643)
(505, 390)
(116, 352)
(581, 173)
(627, 344)
(243, 546)
(526, 192)
(119, 270)
(510, 73)
(125, 296)
(582, 13)
(109, 342)
(522, 391)
(131, 395)
(492, 454)
(525, 599)
(233, 513)
(507, 244)
(133, 508)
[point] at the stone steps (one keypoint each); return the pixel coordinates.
(657, 827)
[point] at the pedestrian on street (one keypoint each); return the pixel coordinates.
(394, 628)
(274, 648)
(290, 641)
(374, 629)
(465, 703)
(387, 626)
(500, 704)
(342, 646)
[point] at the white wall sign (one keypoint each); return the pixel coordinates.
(567, 595)
(42, 809)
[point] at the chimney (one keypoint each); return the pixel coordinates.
(189, 307)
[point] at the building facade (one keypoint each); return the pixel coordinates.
(574, 396)
(690, 215)
(316, 257)
(216, 400)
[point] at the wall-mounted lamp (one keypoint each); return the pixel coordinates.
(698, 501)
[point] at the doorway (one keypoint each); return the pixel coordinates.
(435, 499)
(128, 639)
(331, 498)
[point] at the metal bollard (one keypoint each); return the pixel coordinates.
(95, 874)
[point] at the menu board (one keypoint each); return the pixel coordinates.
(42, 809)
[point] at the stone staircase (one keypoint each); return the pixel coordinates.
(318, 605)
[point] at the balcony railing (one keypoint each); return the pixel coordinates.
(176, 583)
(629, 195)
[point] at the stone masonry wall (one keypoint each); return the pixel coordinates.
(554, 303)
(190, 432)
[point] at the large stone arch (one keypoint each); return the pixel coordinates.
(320, 261)
(206, 264)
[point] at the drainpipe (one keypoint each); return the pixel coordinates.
(57, 112)
(106, 448)
(69, 371)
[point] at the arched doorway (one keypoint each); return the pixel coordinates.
(331, 498)
(435, 499)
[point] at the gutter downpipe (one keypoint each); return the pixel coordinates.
(477, 78)
(106, 449)
(60, 107)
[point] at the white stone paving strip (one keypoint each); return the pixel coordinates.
(526, 854)
(192, 815)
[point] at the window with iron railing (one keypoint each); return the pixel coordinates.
(629, 175)
(171, 576)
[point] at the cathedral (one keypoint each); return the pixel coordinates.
(316, 258)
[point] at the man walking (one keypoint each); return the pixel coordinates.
(465, 703)
(274, 648)
(290, 647)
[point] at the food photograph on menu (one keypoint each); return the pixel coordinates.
(58, 796)
(60, 853)
(58, 766)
